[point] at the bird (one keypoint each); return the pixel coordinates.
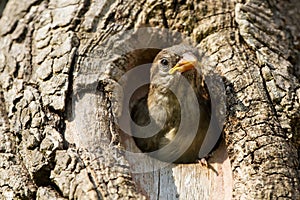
(162, 106)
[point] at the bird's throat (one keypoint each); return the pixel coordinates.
(164, 107)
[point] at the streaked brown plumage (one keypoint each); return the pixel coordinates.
(168, 69)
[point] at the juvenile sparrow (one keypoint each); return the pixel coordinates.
(169, 68)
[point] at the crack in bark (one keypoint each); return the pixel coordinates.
(78, 17)
(99, 195)
(268, 94)
(158, 185)
(164, 17)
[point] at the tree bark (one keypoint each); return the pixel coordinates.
(60, 62)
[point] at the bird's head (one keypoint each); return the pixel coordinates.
(173, 64)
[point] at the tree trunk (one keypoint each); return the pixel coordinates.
(61, 62)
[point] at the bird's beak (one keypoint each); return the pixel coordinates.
(187, 62)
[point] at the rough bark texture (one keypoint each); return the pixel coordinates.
(58, 137)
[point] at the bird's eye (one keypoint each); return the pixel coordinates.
(164, 62)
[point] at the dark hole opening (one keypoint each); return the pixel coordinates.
(138, 102)
(2, 6)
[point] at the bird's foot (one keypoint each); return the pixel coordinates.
(203, 162)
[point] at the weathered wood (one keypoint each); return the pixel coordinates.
(60, 62)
